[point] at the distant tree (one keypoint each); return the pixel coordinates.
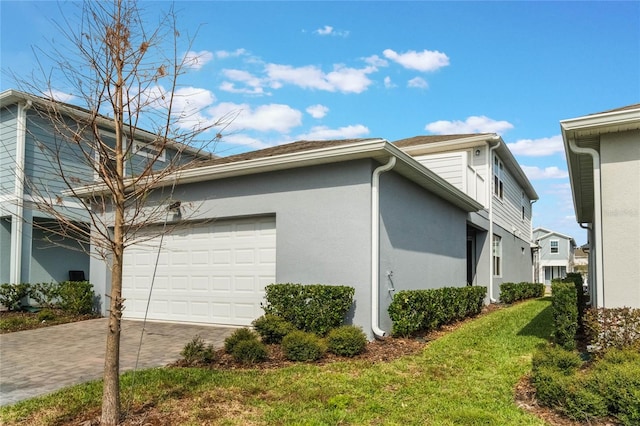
(125, 78)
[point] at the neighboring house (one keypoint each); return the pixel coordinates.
(555, 255)
(499, 240)
(603, 156)
(360, 213)
(581, 262)
(30, 249)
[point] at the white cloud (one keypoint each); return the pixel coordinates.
(537, 147)
(196, 60)
(376, 61)
(328, 30)
(341, 79)
(265, 118)
(473, 124)
(255, 84)
(418, 82)
(242, 139)
(317, 111)
(552, 172)
(427, 60)
(223, 54)
(58, 95)
(325, 133)
(388, 83)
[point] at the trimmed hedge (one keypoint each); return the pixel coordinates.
(74, 297)
(514, 292)
(314, 308)
(608, 387)
(11, 295)
(347, 340)
(272, 328)
(565, 314)
(425, 310)
(581, 297)
(303, 346)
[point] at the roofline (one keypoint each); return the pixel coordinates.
(376, 149)
(12, 96)
(476, 140)
(550, 232)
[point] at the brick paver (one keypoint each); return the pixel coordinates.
(37, 362)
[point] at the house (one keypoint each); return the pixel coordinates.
(581, 262)
(361, 213)
(499, 236)
(555, 255)
(30, 177)
(603, 157)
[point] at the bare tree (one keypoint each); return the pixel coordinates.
(126, 79)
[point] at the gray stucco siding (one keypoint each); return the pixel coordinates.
(517, 263)
(422, 241)
(51, 259)
(322, 221)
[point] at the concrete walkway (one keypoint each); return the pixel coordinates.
(37, 362)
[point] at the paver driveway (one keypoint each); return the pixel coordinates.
(37, 362)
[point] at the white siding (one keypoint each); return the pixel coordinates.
(508, 210)
(449, 166)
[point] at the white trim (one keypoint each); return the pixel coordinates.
(142, 148)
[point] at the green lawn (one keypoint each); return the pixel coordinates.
(466, 377)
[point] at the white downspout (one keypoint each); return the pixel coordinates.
(15, 268)
(491, 191)
(375, 247)
(597, 223)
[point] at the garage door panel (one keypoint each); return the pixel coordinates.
(213, 273)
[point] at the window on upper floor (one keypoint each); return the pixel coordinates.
(497, 256)
(554, 246)
(498, 178)
(148, 150)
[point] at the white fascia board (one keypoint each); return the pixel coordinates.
(446, 145)
(601, 123)
(378, 149)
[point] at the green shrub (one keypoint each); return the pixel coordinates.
(565, 314)
(514, 292)
(582, 299)
(12, 295)
(46, 295)
(238, 336)
(249, 351)
(552, 356)
(347, 340)
(272, 328)
(46, 315)
(617, 378)
(425, 310)
(76, 297)
(584, 405)
(551, 386)
(612, 328)
(303, 346)
(197, 353)
(314, 308)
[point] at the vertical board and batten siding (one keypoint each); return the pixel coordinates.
(507, 212)
(8, 136)
(450, 166)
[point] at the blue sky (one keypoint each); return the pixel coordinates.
(331, 70)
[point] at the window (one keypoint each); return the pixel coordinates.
(148, 150)
(554, 246)
(497, 256)
(498, 176)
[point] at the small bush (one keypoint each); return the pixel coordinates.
(612, 328)
(197, 353)
(314, 308)
(551, 386)
(238, 336)
(426, 310)
(76, 297)
(556, 357)
(272, 328)
(12, 295)
(46, 295)
(584, 405)
(46, 315)
(303, 346)
(565, 314)
(249, 351)
(347, 340)
(514, 292)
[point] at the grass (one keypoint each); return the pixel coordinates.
(465, 377)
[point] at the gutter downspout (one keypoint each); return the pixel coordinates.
(375, 247)
(589, 271)
(597, 223)
(15, 268)
(491, 191)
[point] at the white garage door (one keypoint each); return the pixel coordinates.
(207, 273)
